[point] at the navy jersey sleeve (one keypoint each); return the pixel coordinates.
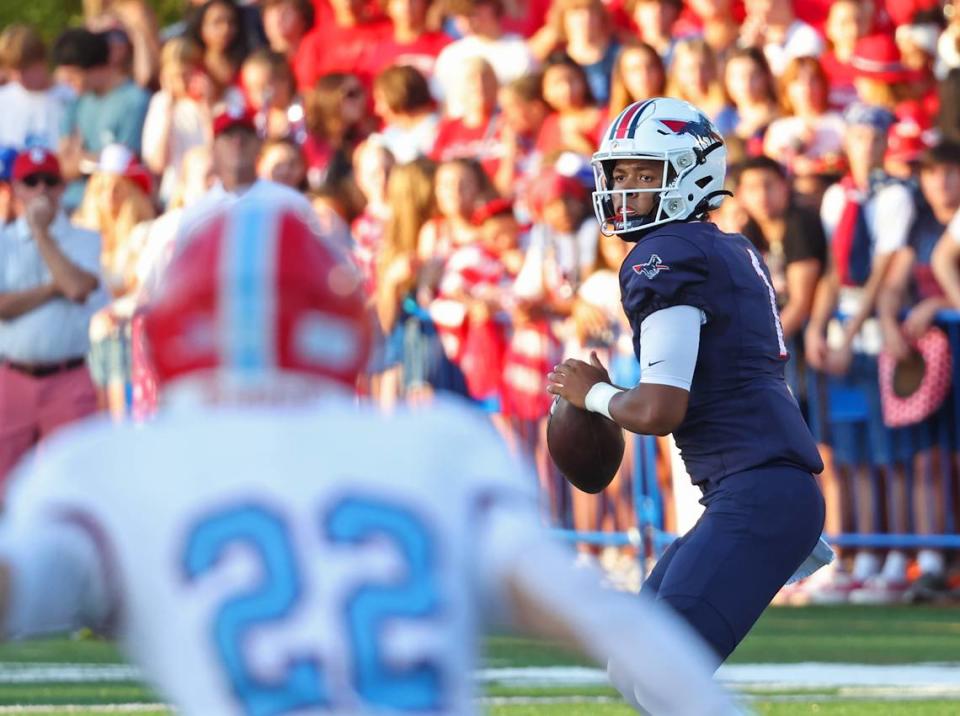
(662, 271)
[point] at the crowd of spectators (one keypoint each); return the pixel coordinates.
(446, 144)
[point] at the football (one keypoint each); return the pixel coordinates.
(585, 446)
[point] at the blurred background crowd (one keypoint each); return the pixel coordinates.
(446, 144)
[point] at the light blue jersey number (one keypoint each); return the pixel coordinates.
(271, 600)
(415, 688)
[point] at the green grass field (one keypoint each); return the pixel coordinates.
(876, 636)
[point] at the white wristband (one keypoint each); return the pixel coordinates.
(598, 398)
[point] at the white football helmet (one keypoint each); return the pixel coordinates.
(685, 140)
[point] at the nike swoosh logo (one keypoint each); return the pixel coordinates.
(655, 362)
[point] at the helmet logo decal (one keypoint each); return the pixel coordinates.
(652, 267)
(701, 130)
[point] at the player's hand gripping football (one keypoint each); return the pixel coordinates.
(573, 378)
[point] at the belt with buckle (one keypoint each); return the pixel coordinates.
(42, 370)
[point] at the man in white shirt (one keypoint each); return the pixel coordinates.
(33, 108)
(483, 37)
(49, 289)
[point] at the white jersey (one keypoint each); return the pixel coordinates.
(265, 561)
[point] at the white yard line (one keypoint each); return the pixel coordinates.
(30, 673)
(87, 708)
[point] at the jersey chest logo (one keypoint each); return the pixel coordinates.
(652, 267)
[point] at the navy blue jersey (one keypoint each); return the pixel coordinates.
(741, 414)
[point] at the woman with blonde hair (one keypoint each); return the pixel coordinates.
(637, 74)
(117, 198)
(695, 77)
(411, 203)
(179, 116)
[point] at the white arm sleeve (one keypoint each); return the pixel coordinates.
(53, 579)
(669, 344)
(654, 658)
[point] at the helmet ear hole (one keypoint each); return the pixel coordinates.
(702, 182)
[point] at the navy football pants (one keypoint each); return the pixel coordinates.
(757, 528)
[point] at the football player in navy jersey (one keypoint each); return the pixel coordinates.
(708, 337)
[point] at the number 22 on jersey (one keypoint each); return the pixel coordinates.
(302, 685)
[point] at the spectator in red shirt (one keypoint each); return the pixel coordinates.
(473, 135)
(576, 123)
(286, 23)
(412, 42)
(216, 27)
(460, 187)
(637, 74)
(337, 119)
(847, 22)
(347, 43)
(918, 49)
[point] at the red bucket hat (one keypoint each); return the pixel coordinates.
(911, 390)
(878, 57)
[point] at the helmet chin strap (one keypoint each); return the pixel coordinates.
(703, 207)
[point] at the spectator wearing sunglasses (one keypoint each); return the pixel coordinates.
(49, 288)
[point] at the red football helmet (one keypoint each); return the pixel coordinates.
(255, 295)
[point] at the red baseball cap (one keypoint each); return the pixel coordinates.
(35, 160)
(234, 116)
